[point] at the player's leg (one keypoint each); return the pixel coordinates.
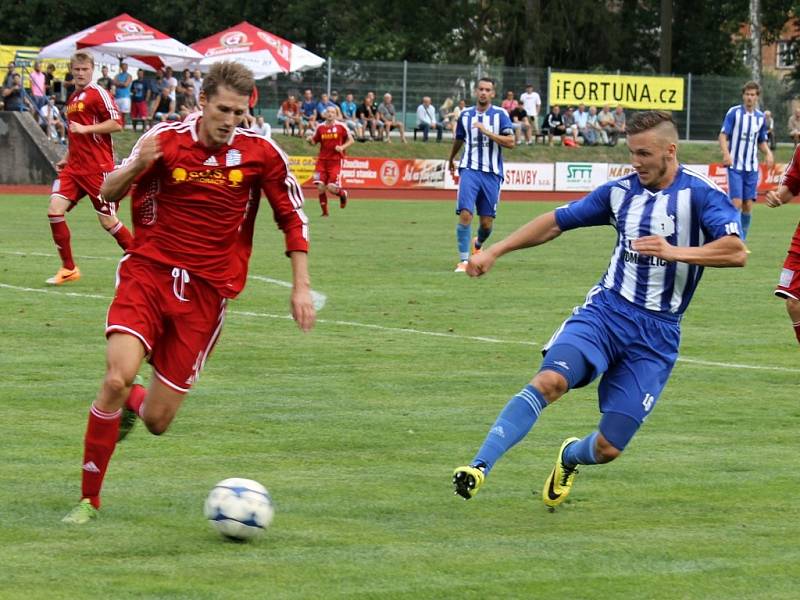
(486, 205)
(468, 187)
(789, 285)
(749, 188)
(107, 211)
(116, 229)
(735, 189)
(56, 213)
(321, 186)
(335, 182)
(793, 308)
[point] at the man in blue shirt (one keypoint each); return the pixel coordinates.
(485, 129)
(744, 131)
(671, 223)
(308, 110)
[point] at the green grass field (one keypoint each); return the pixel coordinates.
(355, 428)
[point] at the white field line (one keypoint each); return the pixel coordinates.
(408, 330)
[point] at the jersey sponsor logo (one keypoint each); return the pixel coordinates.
(631, 256)
(75, 107)
(217, 177)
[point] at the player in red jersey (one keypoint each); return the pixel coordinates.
(333, 138)
(93, 117)
(191, 258)
(789, 283)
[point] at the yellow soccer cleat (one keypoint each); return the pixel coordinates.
(559, 483)
(467, 481)
(461, 267)
(81, 514)
(65, 276)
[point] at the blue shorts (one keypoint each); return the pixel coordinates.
(478, 189)
(633, 348)
(742, 184)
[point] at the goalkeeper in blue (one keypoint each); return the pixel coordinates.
(671, 223)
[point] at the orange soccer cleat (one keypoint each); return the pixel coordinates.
(65, 276)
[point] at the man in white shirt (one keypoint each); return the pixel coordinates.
(532, 103)
(51, 118)
(426, 120)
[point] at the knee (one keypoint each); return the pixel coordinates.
(116, 383)
(157, 424)
(552, 385)
(793, 308)
(465, 217)
(55, 207)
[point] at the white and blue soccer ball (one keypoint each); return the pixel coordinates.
(239, 508)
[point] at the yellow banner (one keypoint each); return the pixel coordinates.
(302, 167)
(25, 55)
(595, 89)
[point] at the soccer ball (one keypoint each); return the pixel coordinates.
(239, 508)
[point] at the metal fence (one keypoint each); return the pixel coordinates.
(707, 97)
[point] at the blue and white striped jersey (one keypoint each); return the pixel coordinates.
(745, 131)
(690, 212)
(481, 153)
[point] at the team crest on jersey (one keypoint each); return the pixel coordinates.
(233, 157)
(663, 224)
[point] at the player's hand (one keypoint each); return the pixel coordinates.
(770, 160)
(149, 151)
(480, 127)
(303, 309)
(773, 200)
(338, 148)
(727, 160)
(61, 164)
(451, 166)
(654, 245)
(77, 127)
(479, 264)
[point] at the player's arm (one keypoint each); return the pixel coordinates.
(540, 230)
(727, 251)
(107, 126)
(119, 181)
(349, 142)
(723, 145)
(457, 144)
(505, 140)
(779, 197)
(768, 158)
(301, 302)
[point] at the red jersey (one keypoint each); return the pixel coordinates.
(791, 179)
(93, 152)
(197, 205)
(328, 137)
(290, 108)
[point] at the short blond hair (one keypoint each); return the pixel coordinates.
(232, 75)
(81, 57)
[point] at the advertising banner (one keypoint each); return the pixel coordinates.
(596, 89)
(539, 177)
(377, 173)
(580, 176)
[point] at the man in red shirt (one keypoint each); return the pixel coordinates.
(194, 236)
(333, 138)
(789, 283)
(92, 116)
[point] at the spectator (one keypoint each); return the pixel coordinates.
(12, 94)
(104, 81)
(308, 110)
(571, 129)
(770, 122)
(122, 92)
(188, 104)
(520, 123)
(509, 103)
(367, 115)
(426, 119)
(445, 110)
(164, 108)
(349, 109)
(289, 116)
(620, 122)
(170, 82)
(51, 120)
(140, 94)
(794, 126)
(38, 85)
(582, 123)
(554, 122)
(262, 128)
(532, 103)
(454, 116)
(50, 80)
(336, 100)
(388, 116)
(606, 120)
(324, 104)
(12, 69)
(69, 84)
(197, 84)
(593, 123)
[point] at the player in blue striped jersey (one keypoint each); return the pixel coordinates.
(671, 223)
(485, 129)
(744, 132)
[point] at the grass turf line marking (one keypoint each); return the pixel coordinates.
(242, 313)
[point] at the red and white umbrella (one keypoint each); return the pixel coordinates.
(264, 53)
(121, 37)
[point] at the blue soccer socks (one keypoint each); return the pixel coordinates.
(746, 218)
(513, 424)
(483, 235)
(463, 233)
(580, 452)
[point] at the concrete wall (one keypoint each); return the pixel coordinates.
(26, 155)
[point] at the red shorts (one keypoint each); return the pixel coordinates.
(327, 171)
(74, 186)
(139, 110)
(177, 318)
(789, 283)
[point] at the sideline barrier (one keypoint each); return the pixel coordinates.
(430, 174)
